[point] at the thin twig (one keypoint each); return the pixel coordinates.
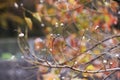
(102, 54)
(78, 70)
(109, 75)
(94, 46)
(95, 59)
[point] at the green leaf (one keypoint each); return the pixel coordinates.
(6, 55)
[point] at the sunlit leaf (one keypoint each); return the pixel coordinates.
(96, 51)
(90, 67)
(29, 22)
(37, 16)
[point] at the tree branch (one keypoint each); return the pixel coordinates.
(79, 70)
(94, 46)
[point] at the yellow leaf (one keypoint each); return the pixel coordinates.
(83, 58)
(83, 48)
(90, 67)
(71, 1)
(29, 22)
(37, 16)
(51, 11)
(96, 52)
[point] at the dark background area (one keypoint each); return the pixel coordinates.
(16, 69)
(9, 26)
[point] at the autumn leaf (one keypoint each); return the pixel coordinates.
(90, 67)
(29, 22)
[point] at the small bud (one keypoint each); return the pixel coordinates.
(56, 24)
(105, 61)
(21, 35)
(42, 25)
(50, 49)
(96, 27)
(118, 12)
(117, 55)
(88, 52)
(16, 5)
(21, 4)
(83, 37)
(51, 34)
(63, 78)
(41, 1)
(88, 40)
(76, 62)
(62, 24)
(22, 57)
(58, 34)
(13, 57)
(106, 3)
(111, 63)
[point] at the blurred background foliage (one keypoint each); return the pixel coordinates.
(43, 17)
(83, 14)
